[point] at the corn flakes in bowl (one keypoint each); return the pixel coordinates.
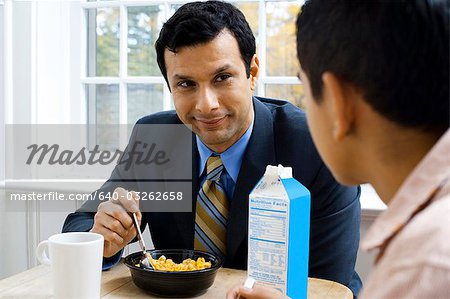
(176, 273)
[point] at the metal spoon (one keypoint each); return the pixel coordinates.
(146, 261)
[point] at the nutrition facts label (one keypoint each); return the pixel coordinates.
(268, 241)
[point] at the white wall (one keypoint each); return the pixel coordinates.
(364, 262)
(12, 236)
(58, 49)
(39, 84)
(372, 206)
(2, 131)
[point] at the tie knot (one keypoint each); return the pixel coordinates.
(214, 168)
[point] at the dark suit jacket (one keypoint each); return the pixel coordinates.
(280, 136)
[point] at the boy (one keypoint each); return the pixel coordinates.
(376, 76)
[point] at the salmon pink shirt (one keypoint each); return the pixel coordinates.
(413, 235)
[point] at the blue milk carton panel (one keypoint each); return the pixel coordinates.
(279, 214)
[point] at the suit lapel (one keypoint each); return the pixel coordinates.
(260, 152)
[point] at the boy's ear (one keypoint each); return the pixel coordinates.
(254, 72)
(340, 105)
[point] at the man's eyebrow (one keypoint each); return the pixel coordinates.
(217, 71)
(180, 77)
(221, 69)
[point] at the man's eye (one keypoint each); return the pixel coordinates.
(222, 77)
(185, 84)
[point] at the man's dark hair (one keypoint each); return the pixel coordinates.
(200, 22)
(395, 52)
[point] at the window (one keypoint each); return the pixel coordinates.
(122, 80)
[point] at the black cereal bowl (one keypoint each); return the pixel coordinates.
(174, 284)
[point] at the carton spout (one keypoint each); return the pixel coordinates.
(279, 171)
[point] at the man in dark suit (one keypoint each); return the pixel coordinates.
(206, 53)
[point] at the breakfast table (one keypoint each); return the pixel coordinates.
(117, 283)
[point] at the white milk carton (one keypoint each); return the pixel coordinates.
(278, 232)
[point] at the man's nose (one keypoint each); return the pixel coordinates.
(207, 100)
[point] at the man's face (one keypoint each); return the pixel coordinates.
(211, 90)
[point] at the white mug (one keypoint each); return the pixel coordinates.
(76, 262)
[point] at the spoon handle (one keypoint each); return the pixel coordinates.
(140, 238)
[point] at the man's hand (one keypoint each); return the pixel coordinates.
(257, 292)
(114, 223)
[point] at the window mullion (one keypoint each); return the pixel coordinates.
(91, 43)
(83, 62)
(90, 91)
(262, 47)
(102, 4)
(33, 67)
(144, 80)
(167, 104)
(281, 80)
(167, 101)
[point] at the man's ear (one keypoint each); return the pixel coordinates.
(340, 105)
(254, 72)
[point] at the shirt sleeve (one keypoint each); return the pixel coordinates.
(109, 262)
(417, 282)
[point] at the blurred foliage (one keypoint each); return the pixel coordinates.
(107, 41)
(250, 11)
(107, 102)
(143, 31)
(142, 99)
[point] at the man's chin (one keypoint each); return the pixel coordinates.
(213, 140)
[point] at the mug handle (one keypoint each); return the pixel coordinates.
(41, 254)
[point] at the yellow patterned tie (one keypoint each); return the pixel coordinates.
(211, 211)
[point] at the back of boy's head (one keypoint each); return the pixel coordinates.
(395, 52)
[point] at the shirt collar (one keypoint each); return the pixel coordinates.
(231, 158)
(415, 191)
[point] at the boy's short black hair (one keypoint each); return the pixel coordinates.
(200, 22)
(396, 52)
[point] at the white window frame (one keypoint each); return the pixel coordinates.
(123, 79)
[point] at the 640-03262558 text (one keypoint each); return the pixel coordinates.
(152, 195)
